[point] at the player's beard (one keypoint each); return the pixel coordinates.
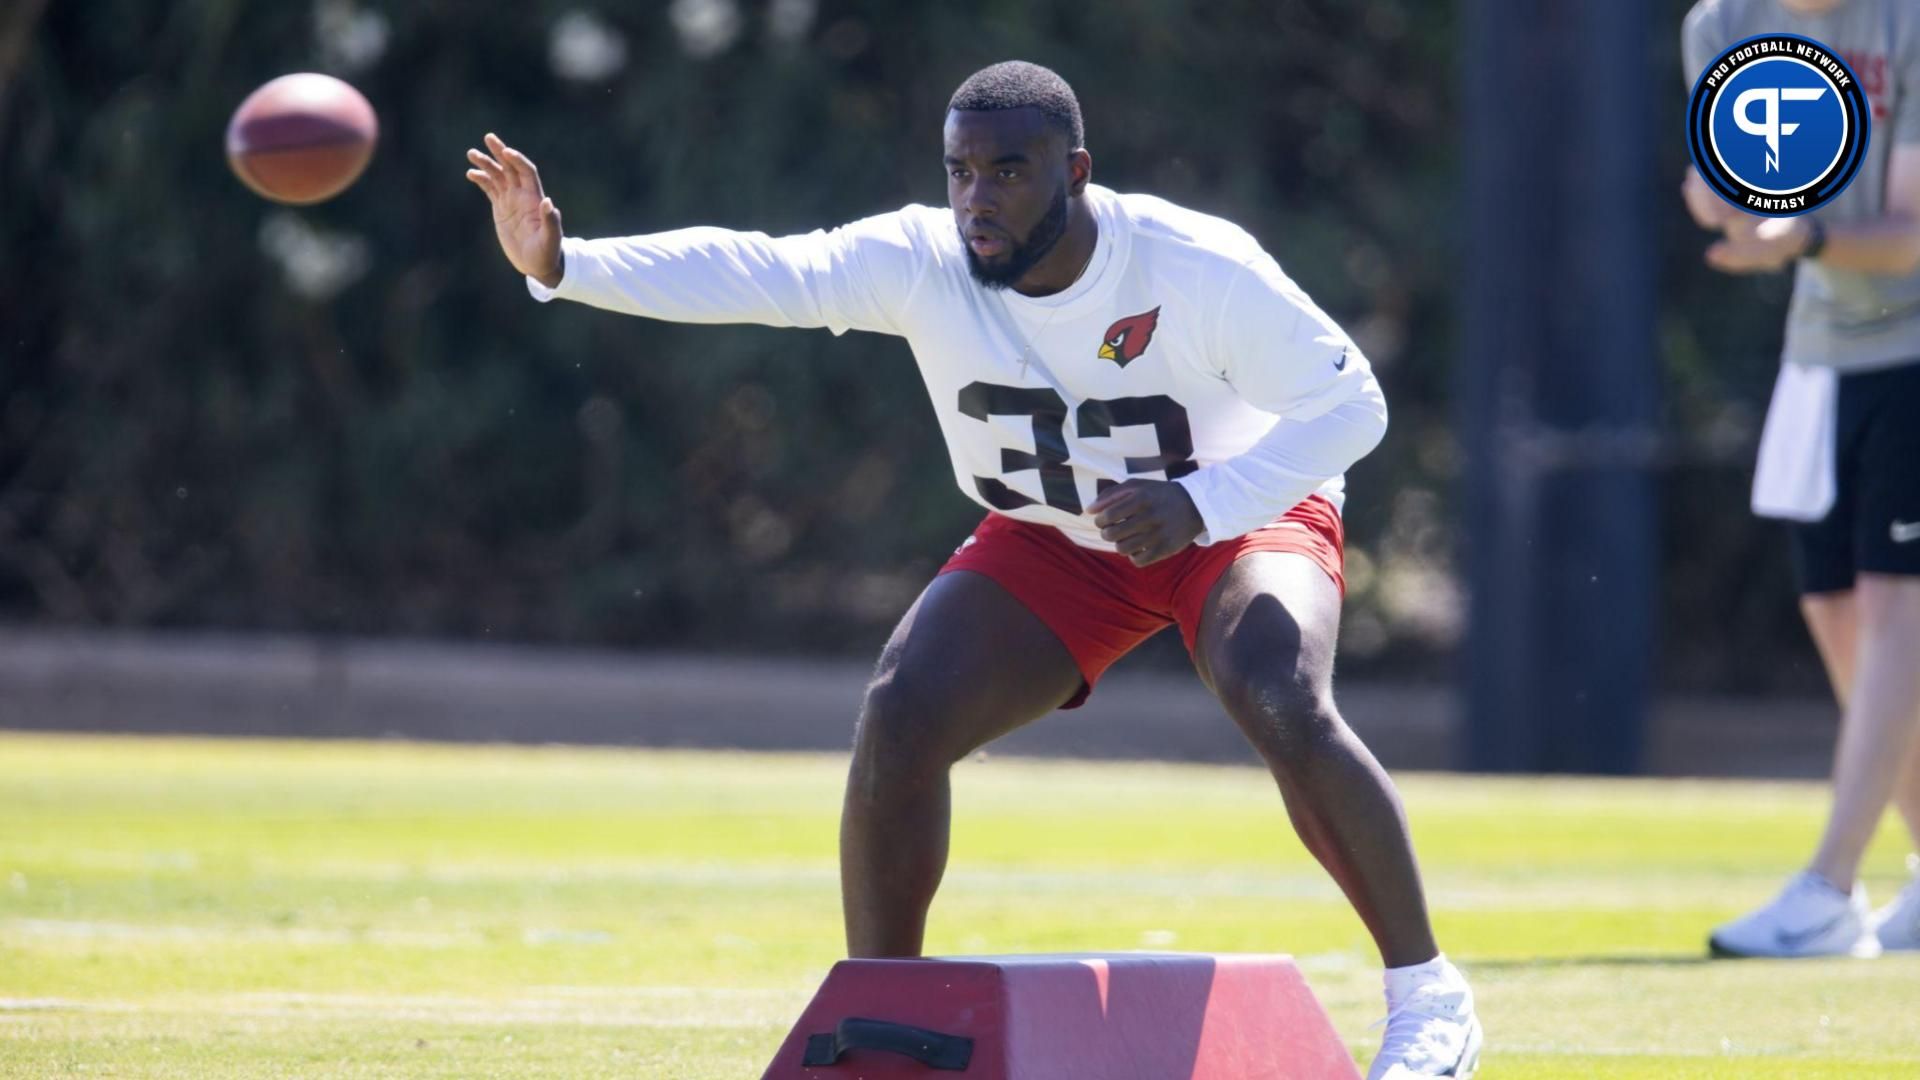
(1024, 256)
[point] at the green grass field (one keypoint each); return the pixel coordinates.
(191, 908)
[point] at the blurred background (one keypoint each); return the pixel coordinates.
(331, 471)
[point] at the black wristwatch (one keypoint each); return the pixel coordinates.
(1816, 239)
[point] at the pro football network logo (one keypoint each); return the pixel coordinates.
(1128, 338)
(1778, 125)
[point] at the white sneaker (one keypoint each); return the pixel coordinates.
(1431, 1031)
(1809, 918)
(1898, 924)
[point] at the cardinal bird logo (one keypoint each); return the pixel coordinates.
(1128, 338)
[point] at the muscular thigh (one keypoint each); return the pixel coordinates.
(967, 664)
(1272, 618)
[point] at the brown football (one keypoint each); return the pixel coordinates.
(301, 139)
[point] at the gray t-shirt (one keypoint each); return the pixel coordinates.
(1841, 318)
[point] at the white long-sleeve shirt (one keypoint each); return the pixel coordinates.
(1183, 352)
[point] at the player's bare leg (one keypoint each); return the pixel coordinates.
(967, 664)
(1867, 639)
(1882, 715)
(1265, 648)
(1832, 618)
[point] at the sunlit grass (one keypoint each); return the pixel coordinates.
(193, 908)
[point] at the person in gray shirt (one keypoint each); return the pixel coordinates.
(1840, 456)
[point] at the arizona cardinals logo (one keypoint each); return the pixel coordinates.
(1128, 338)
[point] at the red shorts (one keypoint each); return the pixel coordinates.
(1100, 605)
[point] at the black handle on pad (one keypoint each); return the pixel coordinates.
(929, 1048)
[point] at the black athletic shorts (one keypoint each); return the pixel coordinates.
(1874, 526)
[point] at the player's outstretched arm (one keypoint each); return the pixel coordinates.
(855, 277)
(526, 221)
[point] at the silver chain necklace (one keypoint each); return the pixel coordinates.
(1026, 340)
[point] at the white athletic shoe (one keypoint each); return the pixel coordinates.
(1898, 924)
(1431, 1031)
(1809, 918)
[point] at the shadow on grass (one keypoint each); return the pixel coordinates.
(1616, 960)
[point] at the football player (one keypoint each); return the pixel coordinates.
(1157, 421)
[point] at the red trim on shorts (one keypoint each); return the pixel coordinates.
(1101, 606)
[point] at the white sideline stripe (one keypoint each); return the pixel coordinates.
(1559, 889)
(1571, 892)
(80, 930)
(716, 1008)
(671, 992)
(1823, 1055)
(85, 930)
(645, 1007)
(1587, 892)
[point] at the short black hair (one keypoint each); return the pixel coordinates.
(1016, 84)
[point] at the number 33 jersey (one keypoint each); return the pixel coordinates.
(1182, 353)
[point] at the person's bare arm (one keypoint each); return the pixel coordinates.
(1889, 244)
(1709, 211)
(524, 218)
(859, 276)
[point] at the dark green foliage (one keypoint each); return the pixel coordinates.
(186, 438)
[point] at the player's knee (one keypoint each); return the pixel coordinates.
(1285, 710)
(900, 720)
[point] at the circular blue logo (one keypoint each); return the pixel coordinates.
(1777, 125)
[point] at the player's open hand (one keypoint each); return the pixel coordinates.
(524, 218)
(1147, 520)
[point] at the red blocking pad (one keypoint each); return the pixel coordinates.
(1081, 1016)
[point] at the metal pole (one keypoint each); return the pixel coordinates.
(1557, 385)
